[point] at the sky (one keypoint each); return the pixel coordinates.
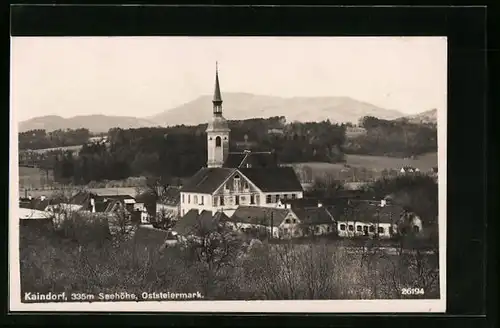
(143, 76)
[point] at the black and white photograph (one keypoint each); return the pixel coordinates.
(275, 174)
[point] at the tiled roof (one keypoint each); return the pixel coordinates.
(259, 215)
(194, 223)
(234, 160)
(314, 215)
(276, 179)
(207, 180)
(368, 212)
(254, 159)
(80, 198)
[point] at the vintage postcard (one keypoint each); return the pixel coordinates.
(228, 174)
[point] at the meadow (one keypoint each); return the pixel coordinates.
(372, 163)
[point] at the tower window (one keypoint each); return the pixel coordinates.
(218, 142)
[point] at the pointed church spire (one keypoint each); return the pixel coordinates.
(217, 100)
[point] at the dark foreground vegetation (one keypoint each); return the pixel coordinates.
(223, 268)
(82, 256)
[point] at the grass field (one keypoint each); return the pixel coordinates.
(30, 177)
(374, 163)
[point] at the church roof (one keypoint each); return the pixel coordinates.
(217, 96)
(207, 180)
(234, 160)
(253, 159)
(273, 179)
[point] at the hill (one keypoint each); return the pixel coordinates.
(239, 106)
(429, 116)
(95, 123)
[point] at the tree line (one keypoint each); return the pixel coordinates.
(393, 138)
(180, 151)
(41, 139)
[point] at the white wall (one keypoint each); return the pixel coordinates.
(195, 201)
(355, 232)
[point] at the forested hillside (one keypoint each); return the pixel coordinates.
(180, 151)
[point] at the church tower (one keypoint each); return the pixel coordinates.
(217, 130)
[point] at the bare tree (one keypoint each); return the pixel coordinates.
(164, 219)
(121, 224)
(215, 249)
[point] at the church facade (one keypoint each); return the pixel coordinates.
(230, 180)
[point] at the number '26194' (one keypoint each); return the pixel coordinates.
(412, 291)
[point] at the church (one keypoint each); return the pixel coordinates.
(231, 179)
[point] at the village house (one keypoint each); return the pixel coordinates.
(316, 221)
(370, 219)
(107, 205)
(197, 224)
(166, 204)
(262, 220)
(233, 179)
(408, 169)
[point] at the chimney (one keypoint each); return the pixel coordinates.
(92, 203)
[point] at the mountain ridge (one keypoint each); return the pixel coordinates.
(236, 106)
(428, 116)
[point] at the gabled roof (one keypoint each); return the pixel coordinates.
(253, 159)
(314, 215)
(207, 180)
(234, 160)
(369, 212)
(194, 223)
(275, 179)
(81, 198)
(221, 216)
(259, 215)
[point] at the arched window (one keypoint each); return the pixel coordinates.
(218, 142)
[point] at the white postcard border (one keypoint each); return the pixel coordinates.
(299, 306)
